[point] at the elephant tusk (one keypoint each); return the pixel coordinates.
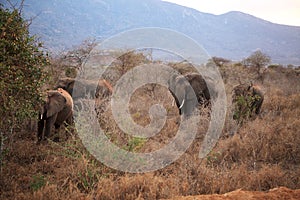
(173, 102)
(181, 104)
(41, 116)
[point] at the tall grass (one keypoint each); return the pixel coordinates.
(263, 153)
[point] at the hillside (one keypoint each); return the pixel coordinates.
(234, 35)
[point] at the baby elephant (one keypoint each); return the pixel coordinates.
(57, 109)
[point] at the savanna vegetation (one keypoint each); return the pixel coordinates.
(259, 154)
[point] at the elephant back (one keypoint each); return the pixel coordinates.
(104, 89)
(240, 90)
(258, 91)
(199, 85)
(66, 84)
(67, 109)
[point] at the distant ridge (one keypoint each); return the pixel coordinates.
(234, 35)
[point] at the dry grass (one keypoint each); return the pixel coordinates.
(262, 154)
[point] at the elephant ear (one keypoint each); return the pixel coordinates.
(56, 102)
(172, 82)
(189, 92)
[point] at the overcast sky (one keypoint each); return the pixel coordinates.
(277, 11)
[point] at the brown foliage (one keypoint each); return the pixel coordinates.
(262, 154)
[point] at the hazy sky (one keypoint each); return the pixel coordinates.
(277, 11)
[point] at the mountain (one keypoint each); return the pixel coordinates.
(234, 35)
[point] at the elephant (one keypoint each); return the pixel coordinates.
(200, 87)
(183, 94)
(102, 88)
(83, 87)
(57, 109)
(248, 99)
(66, 84)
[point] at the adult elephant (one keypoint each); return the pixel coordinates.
(99, 89)
(195, 81)
(83, 88)
(248, 99)
(183, 93)
(57, 109)
(66, 84)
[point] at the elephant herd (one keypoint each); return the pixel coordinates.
(189, 91)
(59, 103)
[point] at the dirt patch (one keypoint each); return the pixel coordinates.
(273, 194)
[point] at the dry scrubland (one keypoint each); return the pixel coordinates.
(264, 152)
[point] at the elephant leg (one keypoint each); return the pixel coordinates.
(41, 124)
(186, 110)
(56, 136)
(257, 107)
(47, 129)
(180, 111)
(49, 123)
(70, 119)
(257, 110)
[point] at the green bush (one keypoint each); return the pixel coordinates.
(244, 108)
(21, 64)
(21, 73)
